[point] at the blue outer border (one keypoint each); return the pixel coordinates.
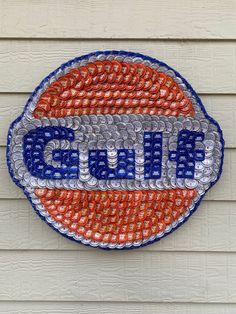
(127, 54)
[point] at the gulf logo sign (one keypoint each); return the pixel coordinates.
(115, 150)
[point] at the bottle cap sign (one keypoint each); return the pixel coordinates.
(115, 150)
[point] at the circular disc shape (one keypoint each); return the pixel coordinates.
(115, 150)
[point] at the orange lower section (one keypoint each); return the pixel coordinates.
(115, 216)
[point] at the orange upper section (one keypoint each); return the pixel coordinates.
(113, 87)
(116, 216)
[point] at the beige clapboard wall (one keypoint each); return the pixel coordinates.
(193, 271)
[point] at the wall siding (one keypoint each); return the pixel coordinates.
(132, 276)
(118, 19)
(16, 307)
(190, 272)
(205, 64)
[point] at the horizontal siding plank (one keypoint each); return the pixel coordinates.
(118, 19)
(211, 228)
(208, 66)
(220, 107)
(113, 307)
(112, 276)
(223, 190)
